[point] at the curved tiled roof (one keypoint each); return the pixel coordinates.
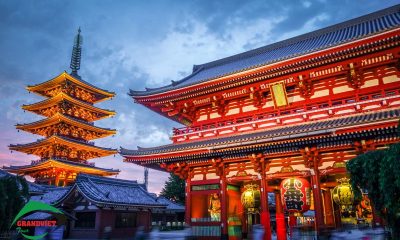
(65, 97)
(279, 133)
(32, 144)
(73, 76)
(5, 174)
(52, 195)
(358, 28)
(35, 188)
(115, 192)
(170, 204)
(104, 191)
(65, 162)
(61, 116)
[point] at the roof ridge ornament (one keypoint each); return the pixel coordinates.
(76, 54)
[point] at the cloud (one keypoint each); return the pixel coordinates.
(306, 4)
(187, 43)
(136, 131)
(310, 25)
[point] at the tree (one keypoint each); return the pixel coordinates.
(379, 173)
(13, 195)
(174, 189)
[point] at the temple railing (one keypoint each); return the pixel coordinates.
(308, 112)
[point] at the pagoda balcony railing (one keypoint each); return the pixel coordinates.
(333, 107)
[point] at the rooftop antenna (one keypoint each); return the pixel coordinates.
(76, 54)
(146, 177)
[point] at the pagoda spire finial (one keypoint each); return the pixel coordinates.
(76, 54)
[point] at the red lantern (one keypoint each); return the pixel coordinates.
(296, 194)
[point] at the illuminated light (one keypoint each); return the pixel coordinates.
(343, 194)
(296, 194)
(251, 198)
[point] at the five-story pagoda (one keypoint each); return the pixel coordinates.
(67, 129)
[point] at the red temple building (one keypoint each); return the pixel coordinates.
(67, 129)
(282, 119)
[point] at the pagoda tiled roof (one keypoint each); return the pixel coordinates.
(61, 138)
(309, 129)
(62, 161)
(111, 192)
(58, 116)
(71, 77)
(63, 96)
(348, 31)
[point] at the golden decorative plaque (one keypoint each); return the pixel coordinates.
(279, 94)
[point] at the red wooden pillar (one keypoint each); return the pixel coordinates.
(329, 219)
(292, 220)
(187, 201)
(280, 218)
(224, 209)
(265, 216)
(319, 218)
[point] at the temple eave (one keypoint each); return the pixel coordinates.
(38, 88)
(65, 97)
(60, 118)
(332, 133)
(64, 165)
(63, 141)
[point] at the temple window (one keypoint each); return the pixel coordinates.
(290, 89)
(125, 219)
(85, 219)
(378, 95)
(364, 97)
(390, 93)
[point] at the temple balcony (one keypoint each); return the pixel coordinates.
(295, 115)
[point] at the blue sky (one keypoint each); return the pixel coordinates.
(137, 44)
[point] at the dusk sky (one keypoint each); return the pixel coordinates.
(133, 45)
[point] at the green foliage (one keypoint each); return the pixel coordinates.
(174, 189)
(13, 195)
(364, 171)
(390, 183)
(379, 173)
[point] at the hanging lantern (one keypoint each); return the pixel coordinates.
(343, 194)
(251, 198)
(296, 194)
